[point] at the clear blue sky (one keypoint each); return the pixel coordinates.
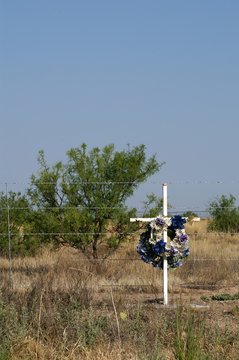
(160, 73)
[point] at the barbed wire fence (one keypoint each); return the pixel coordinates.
(9, 240)
(200, 211)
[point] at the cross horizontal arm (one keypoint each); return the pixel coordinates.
(141, 219)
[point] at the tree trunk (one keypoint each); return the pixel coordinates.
(94, 247)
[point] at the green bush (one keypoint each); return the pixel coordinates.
(224, 214)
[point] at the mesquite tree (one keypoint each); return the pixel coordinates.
(83, 202)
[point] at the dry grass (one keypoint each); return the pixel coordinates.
(62, 306)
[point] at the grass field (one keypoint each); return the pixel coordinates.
(60, 305)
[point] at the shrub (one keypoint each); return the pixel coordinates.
(224, 214)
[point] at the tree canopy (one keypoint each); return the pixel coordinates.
(83, 202)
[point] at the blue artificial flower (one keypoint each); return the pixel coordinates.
(146, 259)
(186, 252)
(159, 222)
(159, 247)
(178, 222)
(173, 251)
(183, 238)
(140, 250)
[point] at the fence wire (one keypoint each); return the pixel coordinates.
(107, 182)
(171, 211)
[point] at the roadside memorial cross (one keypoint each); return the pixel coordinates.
(154, 247)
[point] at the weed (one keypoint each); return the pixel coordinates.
(188, 336)
(224, 297)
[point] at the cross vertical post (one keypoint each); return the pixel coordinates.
(165, 234)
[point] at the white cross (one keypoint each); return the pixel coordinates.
(165, 262)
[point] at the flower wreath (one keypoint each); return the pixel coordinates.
(152, 248)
